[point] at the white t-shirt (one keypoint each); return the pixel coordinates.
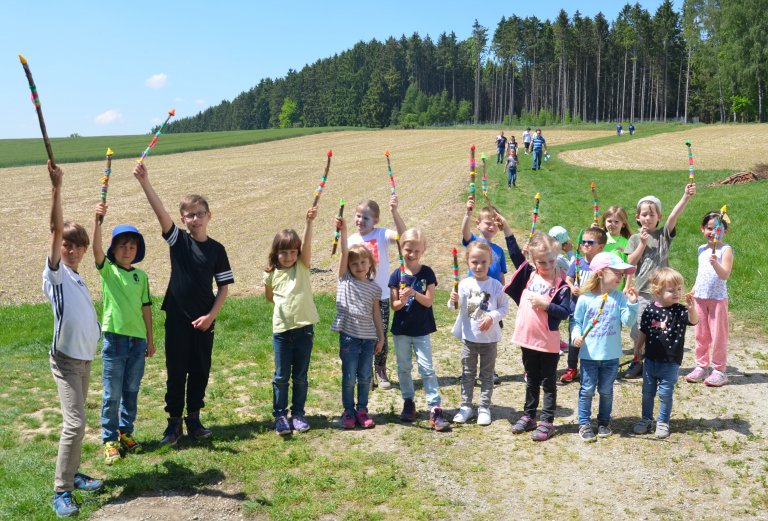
(76, 329)
(526, 137)
(377, 243)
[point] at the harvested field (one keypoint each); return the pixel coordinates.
(712, 149)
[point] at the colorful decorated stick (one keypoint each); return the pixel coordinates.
(389, 170)
(690, 161)
(484, 180)
(338, 227)
(595, 205)
(455, 274)
(38, 108)
(537, 198)
(319, 190)
(472, 172)
(719, 230)
(105, 180)
(593, 322)
(151, 145)
(577, 267)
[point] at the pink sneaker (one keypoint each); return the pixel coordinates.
(696, 375)
(348, 420)
(716, 379)
(363, 420)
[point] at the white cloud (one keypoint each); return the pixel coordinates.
(110, 116)
(199, 102)
(178, 99)
(157, 81)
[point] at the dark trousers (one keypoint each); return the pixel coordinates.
(188, 362)
(542, 374)
(573, 351)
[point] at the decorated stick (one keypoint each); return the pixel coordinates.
(38, 108)
(455, 274)
(536, 198)
(577, 267)
(321, 185)
(593, 322)
(472, 172)
(595, 205)
(690, 161)
(389, 170)
(105, 180)
(719, 230)
(484, 180)
(338, 228)
(151, 145)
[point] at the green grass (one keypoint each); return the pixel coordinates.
(19, 152)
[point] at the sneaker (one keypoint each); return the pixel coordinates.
(348, 420)
(282, 427)
(437, 421)
(563, 347)
(195, 429)
(363, 420)
(544, 431)
(525, 423)
(384, 383)
(409, 411)
(87, 483)
(496, 379)
(64, 504)
(464, 415)
(172, 433)
(111, 452)
(128, 444)
(644, 426)
(697, 375)
(299, 423)
(483, 416)
(569, 375)
(603, 431)
(662, 430)
(635, 370)
(716, 379)
(586, 433)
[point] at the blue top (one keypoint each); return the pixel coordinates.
(413, 319)
(499, 263)
(538, 142)
(604, 340)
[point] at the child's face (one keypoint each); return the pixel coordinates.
(670, 294)
(487, 226)
(478, 262)
(124, 251)
(359, 267)
(589, 246)
(647, 216)
(610, 279)
(287, 258)
(196, 219)
(613, 225)
(544, 262)
(365, 221)
(72, 254)
(709, 231)
(412, 252)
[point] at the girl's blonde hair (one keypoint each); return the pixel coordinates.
(478, 245)
(413, 235)
(663, 277)
(357, 251)
(543, 243)
(286, 239)
(620, 213)
(593, 284)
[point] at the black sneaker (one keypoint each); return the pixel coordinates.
(195, 429)
(409, 411)
(496, 379)
(586, 433)
(172, 433)
(635, 370)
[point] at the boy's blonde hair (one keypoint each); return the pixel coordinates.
(358, 250)
(486, 212)
(188, 201)
(76, 234)
(621, 214)
(663, 277)
(478, 245)
(413, 235)
(370, 205)
(598, 234)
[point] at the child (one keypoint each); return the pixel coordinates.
(287, 285)
(377, 240)
(543, 298)
(361, 331)
(662, 332)
(512, 164)
(412, 296)
(579, 273)
(649, 251)
(190, 307)
(711, 297)
(127, 331)
(600, 313)
(76, 334)
(527, 139)
(481, 303)
(565, 254)
(615, 222)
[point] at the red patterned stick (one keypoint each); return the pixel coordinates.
(338, 229)
(472, 172)
(389, 170)
(455, 274)
(595, 205)
(323, 179)
(593, 322)
(36, 101)
(151, 145)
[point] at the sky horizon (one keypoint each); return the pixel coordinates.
(109, 69)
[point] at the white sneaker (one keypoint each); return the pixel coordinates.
(464, 415)
(483, 416)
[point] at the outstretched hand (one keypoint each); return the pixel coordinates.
(631, 293)
(55, 174)
(140, 172)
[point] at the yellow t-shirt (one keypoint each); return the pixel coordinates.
(292, 294)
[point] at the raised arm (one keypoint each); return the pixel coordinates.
(98, 247)
(342, 225)
(690, 191)
(141, 174)
(57, 217)
(306, 242)
(399, 223)
(466, 234)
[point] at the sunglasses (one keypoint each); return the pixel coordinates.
(588, 242)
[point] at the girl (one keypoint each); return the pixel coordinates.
(481, 304)
(543, 298)
(512, 164)
(711, 297)
(412, 294)
(358, 321)
(616, 223)
(287, 285)
(599, 315)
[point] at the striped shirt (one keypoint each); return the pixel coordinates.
(355, 300)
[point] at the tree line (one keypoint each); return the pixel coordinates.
(706, 62)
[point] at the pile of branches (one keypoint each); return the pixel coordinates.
(759, 172)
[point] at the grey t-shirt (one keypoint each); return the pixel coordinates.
(655, 256)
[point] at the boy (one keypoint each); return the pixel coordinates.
(592, 242)
(75, 338)
(377, 240)
(527, 139)
(190, 307)
(649, 251)
(127, 331)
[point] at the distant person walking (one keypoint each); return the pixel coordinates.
(501, 148)
(527, 139)
(539, 146)
(619, 129)
(631, 129)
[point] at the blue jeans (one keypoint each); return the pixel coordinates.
(661, 377)
(293, 349)
(422, 346)
(123, 358)
(537, 159)
(356, 368)
(600, 375)
(511, 175)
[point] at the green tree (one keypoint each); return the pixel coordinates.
(288, 113)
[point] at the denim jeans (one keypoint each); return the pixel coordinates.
(537, 159)
(422, 346)
(293, 349)
(511, 175)
(123, 358)
(661, 377)
(356, 368)
(600, 375)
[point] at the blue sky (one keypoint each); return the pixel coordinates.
(110, 68)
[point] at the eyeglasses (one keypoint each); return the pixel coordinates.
(587, 242)
(195, 215)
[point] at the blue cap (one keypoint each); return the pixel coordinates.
(127, 228)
